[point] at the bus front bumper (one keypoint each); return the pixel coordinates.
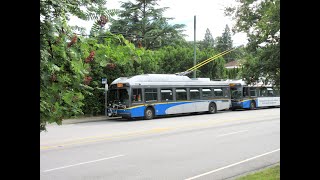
(236, 105)
(118, 113)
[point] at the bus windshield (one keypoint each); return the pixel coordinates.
(118, 96)
(236, 92)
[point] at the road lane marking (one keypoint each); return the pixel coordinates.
(82, 163)
(151, 131)
(232, 133)
(101, 138)
(88, 139)
(219, 169)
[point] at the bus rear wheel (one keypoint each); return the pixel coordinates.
(212, 108)
(149, 113)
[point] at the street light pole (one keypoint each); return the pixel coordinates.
(194, 48)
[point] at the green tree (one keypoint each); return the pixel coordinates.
(224, 42)
(260, 20)
(144, 25)
(65, 58)
(214, 69)
(115, 56)
(174, 59)
(208, 41)
(233, 73)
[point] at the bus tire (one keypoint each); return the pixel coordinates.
(252, 105)
(149, 113)
(212, 108)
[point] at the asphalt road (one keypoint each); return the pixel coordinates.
(205, 146)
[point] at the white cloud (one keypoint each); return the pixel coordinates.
(209, 14)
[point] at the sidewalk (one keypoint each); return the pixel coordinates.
(85, 119)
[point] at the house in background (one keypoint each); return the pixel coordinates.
(232, 64)
(233, 68)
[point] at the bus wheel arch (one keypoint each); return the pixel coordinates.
(252, 105)
(149, 113)
(212, 108)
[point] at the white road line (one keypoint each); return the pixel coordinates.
(232, 133)
(82, 163)
(194, 177)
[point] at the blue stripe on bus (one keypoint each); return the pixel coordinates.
(134, 112)
(139, 111)
(246, 104)
(160, 108)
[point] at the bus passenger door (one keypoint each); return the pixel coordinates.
(137, 108)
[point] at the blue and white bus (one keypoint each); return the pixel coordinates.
(254, 96)
(152, 95)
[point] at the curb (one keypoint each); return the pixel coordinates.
(87, 119)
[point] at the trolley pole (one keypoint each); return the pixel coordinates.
(194, 48)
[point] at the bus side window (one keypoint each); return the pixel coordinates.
(245, 91)
(218, 92)
(151, 95)
(181, 94)
(194, 93)
(263, 92)
(166, 95)
(136, 95)
(226, 92)
(206, 93)
(253, 92)
(270, 92)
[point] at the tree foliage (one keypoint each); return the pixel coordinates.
(174, 59)
(144, 25)
(260, 20)
(208, 41)
(224, 42)
(115, 56)
(65, 58)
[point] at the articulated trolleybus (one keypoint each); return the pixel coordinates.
(254, 96)
(152, 95)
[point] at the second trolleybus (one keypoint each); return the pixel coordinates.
(257, 95)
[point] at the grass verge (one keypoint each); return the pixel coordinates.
(271, 173)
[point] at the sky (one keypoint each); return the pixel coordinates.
(209, 14)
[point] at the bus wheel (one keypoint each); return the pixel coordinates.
(212, 108)
(148, 114)
(252, 105)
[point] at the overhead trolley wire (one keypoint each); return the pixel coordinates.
(205, 62)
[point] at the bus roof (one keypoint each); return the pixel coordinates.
(166, 79)
(243, 83)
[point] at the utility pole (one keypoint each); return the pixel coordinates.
(194, 51)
